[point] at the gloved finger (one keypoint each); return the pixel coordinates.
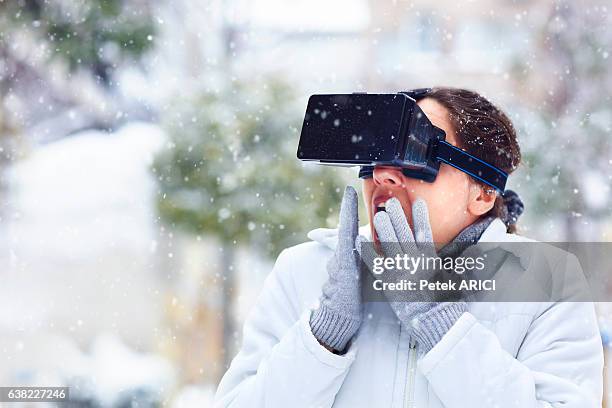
(400, 224)
(349, 221)
(387, 236)
(422, 228)
(329, 290)
(333, 267)
(366, 251)
(447, 277)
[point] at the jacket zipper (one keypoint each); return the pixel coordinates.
(411, 374)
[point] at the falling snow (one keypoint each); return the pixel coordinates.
(148, 167)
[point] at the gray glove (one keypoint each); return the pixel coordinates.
(339, 314)
(430, 317)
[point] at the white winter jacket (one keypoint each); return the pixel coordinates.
(496, 355)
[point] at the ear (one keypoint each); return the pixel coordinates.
(481, 199)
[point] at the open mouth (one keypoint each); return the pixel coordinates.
(380, 203)
(378, 207)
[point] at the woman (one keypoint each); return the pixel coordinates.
(311, 341)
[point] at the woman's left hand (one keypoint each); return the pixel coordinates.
(397, 240)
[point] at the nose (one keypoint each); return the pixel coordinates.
(387, 176)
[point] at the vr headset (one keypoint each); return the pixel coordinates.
(370, 130)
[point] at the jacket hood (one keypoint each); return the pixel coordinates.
(329, 236)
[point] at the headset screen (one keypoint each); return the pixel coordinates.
(352, 128)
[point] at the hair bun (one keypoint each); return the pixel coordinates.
(514, 207)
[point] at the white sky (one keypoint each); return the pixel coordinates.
(310, 15)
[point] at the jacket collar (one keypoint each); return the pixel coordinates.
(329, 236)
(495, 234)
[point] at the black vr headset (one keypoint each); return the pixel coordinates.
(370, 130)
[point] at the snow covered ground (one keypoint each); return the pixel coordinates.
(77, 263)
(86, 273)
(79, 242)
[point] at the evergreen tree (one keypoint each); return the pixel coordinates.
(566, 77)
(230, 171)
(91, 36)
(95, 35)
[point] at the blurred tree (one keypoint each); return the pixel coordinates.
(567, 78)
(92, 37)
(230, 171)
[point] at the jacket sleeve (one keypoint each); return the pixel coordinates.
(280, 363)
(559, 363)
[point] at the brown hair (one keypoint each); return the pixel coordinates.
(486, 132)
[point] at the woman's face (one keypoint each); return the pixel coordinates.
(449, 198)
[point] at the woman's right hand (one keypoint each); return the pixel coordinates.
(339, 314)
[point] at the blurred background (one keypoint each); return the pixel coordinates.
(148, 176)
